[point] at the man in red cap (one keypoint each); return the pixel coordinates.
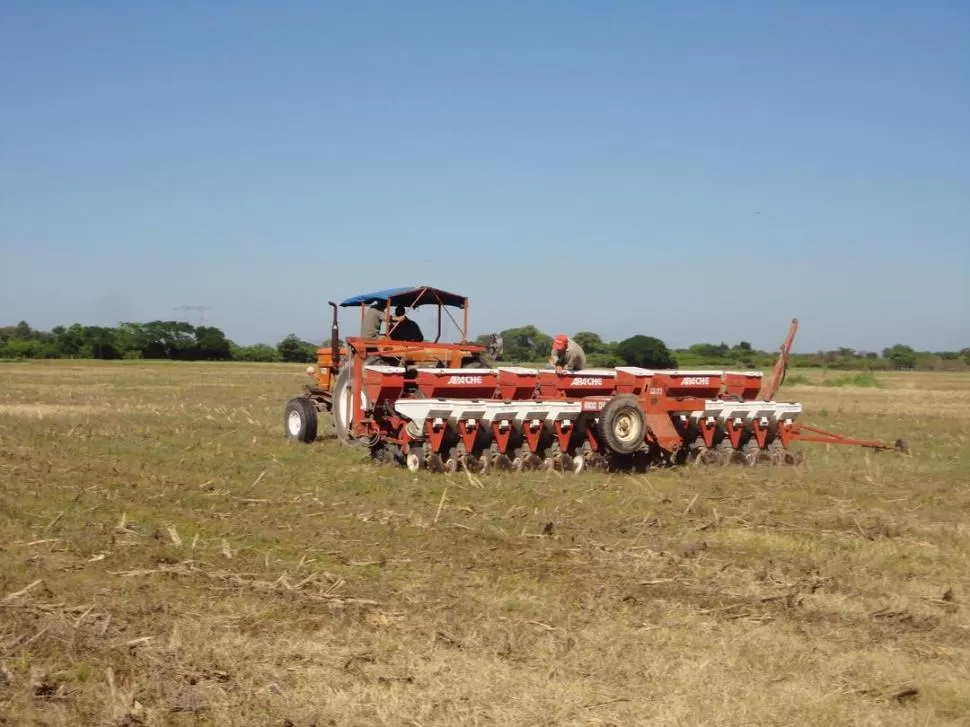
(567, 355)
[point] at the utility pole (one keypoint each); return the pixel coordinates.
(201, 309)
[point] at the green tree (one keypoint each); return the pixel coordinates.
(900, 356)
(260, 352)
(132, 339)
(590, 342)
(100, 343)
(710, 350)
(645, 351)
(293, 349)
(167, 340)
(70, 340)
(23, 332)
(526, 343)
(605, 358)
(28, 348)
(211, 344)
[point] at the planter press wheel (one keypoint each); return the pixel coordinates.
(527, 462)
(300, 420)
(415, 459)
(622, 424)
(496, 461)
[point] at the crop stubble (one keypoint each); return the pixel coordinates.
(166, 558)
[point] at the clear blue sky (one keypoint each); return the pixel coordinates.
(694, 171)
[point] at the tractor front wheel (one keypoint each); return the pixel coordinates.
(300, 420)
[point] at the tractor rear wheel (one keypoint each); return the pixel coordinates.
(622, 424)
(300, 420)
(343, 397)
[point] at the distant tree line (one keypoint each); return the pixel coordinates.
(164, 340)
(181, 341)
(529, 344)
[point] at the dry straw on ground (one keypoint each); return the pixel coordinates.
(166, 558)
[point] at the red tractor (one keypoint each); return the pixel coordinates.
(332, 372)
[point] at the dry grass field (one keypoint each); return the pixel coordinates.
(166, 558)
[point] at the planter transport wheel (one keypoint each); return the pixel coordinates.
(622, 424)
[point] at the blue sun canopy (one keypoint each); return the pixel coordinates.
(408, 297)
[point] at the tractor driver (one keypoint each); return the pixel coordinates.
(370, 327)
(567, 355)
(403, 328)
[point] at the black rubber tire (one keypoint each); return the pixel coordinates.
(627, 406)
(306, 428)
(345, 379)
